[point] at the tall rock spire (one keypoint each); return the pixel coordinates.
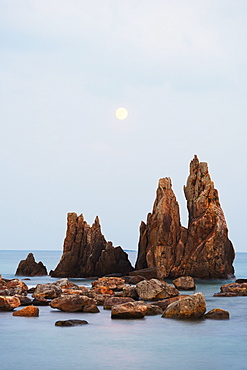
(203, 250)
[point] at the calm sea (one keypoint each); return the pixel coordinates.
(150, 343)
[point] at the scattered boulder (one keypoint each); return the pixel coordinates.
(29, 267)
(86, 252)
(129, 310)
(40, 302)
(91, 309)
(217, 314)
(72, 322)
(9, 303)
(133, 279)
(153, 310)
(113, 301)
(27, 311)
(25, 301)
(13, 287)
(128, 291)
(150, 273)
(72, 303)
(164, 303)
(49, 291)
(239, 289)
(184, 283)
(225, 294)
(113, 283)
(203, 250)
(102, 290)
(241, 281)
(191, 307)
(153, 289)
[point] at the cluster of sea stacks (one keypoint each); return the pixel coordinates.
(166, 250)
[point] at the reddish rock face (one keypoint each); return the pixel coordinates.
(87, 253)
(203, 250)
(29, 267)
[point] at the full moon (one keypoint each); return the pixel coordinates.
(121, 113)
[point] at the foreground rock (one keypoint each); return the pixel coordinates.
(164, 303)
(86, 252)
(27, 311)
(72, 322)
(29, 267)
(203, 250)
(153, 289)
(73, 303)
(48, 291)
(191, 307)
(184, 283)
(129, 310)
(113, 283)
(113, 301)
(217, 314)
(13, 287)
(9, 303)
(240, 289)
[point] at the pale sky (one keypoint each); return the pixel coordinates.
(179, 67)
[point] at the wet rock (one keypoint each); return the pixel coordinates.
(217, 314)
(15, 286)
(87, 253)
(91, 309)
(103, 290)
(29, 267)
(191, 307)
(129, 310)
(40, 302)
(71, 322)
(240, 289)
(153, 310)
(25, 301)
(113, 301)
(128, 291)
(226, 294)
(28, 311)
(150, 273)
(113, 283)
(9, 303)
(203, 250)
(72, 303)
(164, 303)
(133, 279)
(154, 289)
(184, 283)
(48, 291)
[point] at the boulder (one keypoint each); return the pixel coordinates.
(72, 322)
(150, 273)
(184, 283)
(86, 253)
(240, 289)
(40, 302)
(27, 311)
(128, 291)
(129, 310)
(217, 314)
(91, 309)
(226, 294)
(113, 283)
(72, 303)
(13, 287)
(29, 267)
(202, 250)
(133, 279)
(164, 303)
(191, 307)
(153, 289)
(113, 301)
(49, 291)
(9, 303)
(102, 290)
(153, 310)
(25, 301)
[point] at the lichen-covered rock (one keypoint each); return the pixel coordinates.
(191, 307)
(153, 289)
(9, 303)
(72, 303)
(13, 287)
(113, 301)
(203, 250)
(48, 291)
(113, 283)
(87, 253)
(28, 311)
(217, 314)
(129, 310)
(239, 289)
(29, 267)
(184, 283)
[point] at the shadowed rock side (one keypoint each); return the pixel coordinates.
(29, 267)
(203, 250)
(86, 252)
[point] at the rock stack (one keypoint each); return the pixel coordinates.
(202, 250)
(86, 253)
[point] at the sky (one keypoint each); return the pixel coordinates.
(178, 67)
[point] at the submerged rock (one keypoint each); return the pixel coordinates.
(217, 314)
(203, 250)
(86, 252)
(232, 290)
(29, 267)
(72, 322)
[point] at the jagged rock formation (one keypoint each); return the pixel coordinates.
(86, 252)
(29, 267)
(203, 250)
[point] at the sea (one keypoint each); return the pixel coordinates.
(151, 343)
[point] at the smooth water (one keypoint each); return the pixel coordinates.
(150, 343)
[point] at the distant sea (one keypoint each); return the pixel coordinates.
(150, 343)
